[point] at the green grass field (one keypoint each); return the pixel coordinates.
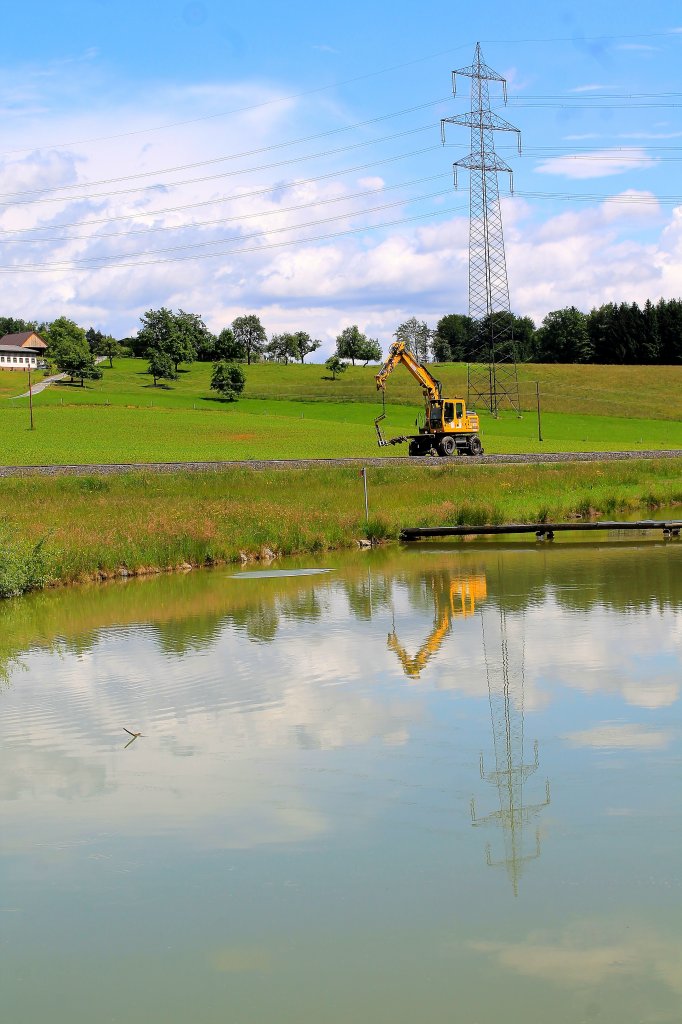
(296, 412)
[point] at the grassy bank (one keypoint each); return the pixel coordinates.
(100, 526)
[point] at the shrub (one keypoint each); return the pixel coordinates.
(377, 529)
(228, 380)
(23, 566)
(336, 366)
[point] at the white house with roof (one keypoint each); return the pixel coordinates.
(21, 351)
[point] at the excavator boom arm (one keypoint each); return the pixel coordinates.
(399, 353)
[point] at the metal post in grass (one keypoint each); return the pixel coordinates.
(30, 398)
(363, 474)
(537, 395)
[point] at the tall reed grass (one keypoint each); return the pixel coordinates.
(142, 523)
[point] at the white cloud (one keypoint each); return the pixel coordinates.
(600, 164)
(375, 279)
(630, 205)
(614, 736)
(591, 953)
(589, 88)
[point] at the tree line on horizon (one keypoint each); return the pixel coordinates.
(614, 333)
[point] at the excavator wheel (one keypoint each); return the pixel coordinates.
(475, 445)
(447, 446)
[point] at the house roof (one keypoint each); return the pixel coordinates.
(19, 351)
(20, 340)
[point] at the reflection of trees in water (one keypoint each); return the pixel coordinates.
(188, 613)
(581, 577)
(369, 593)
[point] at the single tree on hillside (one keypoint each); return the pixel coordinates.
(250, 334)
(304, 344)
(177, 334)
(161, 366)
(452, 340)
(371, 351)
(563, 337)
(416, 335)
(70, 352)
(353, 344)
(158, 332)
(228, 348)
(93, 336)
(108, 346)
(228, 380)
(336, 366)
(282, 348)
(193, 336)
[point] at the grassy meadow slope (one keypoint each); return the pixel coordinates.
(297, 411)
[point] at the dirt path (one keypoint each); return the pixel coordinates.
(37, 388)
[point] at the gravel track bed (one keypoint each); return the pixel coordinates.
(425, 462)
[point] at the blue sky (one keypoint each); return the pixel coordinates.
(359, 223)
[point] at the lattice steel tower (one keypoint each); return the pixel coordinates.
(492, 377)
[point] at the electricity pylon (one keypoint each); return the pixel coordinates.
(492, 376)
(505, 674)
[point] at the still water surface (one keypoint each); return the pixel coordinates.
(433, 785)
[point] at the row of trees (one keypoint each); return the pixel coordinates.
(185, 337)
(168, 339)
(610, 334)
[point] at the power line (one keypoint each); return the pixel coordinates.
(229, 156)
(223, 174)
(51, 269)
(334, 85)
(592, 197)
(295, 183)
(594, 106)
(587, 96)
(232, 217)
(256, 234)
(602, 38)
(239, 110)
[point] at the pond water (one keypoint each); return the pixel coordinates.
(435, 784)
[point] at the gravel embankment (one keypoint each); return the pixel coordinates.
(427, 463)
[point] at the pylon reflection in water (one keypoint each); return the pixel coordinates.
(505, 662)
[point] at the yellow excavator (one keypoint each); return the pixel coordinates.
(453, 598)
(448, 429)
